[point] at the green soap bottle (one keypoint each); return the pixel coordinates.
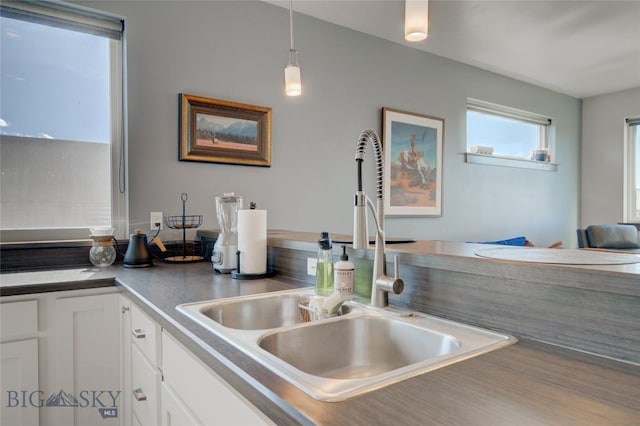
(324, 266)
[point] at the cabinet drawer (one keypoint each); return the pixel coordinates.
(145, 335)
(145, 389)
(19, 319)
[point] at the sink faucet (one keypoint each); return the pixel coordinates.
(381, 284)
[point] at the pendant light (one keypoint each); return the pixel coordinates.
(292, 82)
(416, 20)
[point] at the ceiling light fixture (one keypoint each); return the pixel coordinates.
(416, 20)
(292, 82)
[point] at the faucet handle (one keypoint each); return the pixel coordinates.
(398, 284)
(396, 267)
(386, 284)
(393, 285)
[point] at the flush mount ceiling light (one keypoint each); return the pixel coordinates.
(292, 82)
(416, 20)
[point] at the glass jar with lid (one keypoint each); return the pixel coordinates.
(102, 252)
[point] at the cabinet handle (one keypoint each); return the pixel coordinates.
(138, 333)
(124, 309)
(139, 395)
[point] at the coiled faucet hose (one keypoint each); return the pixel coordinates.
(370, 135)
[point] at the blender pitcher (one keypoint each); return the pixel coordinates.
(224, 256)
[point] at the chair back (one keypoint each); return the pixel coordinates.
(609, 236)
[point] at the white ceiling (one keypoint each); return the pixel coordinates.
(579, 48)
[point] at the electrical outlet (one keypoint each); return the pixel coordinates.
(312, 264)
(155, 217)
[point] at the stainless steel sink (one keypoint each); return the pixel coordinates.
(357, 347)
(256, 313)
(264, 311)
(336, 358)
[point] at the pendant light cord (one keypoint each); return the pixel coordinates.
(291, 22)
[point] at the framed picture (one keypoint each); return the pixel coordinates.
(413, 163)
(215, 131)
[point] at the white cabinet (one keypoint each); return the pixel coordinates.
(200, 395)
(20, 383)
(62, 349)
(125, 360)
(88, 358)
(174, 412)
(145, 385)
(165, 384)
(18, 319)
(142, 375)
(145, 335)
(19, 363)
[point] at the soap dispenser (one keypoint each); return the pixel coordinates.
(324, 266)
(343, 275)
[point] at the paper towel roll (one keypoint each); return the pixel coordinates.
(252, 241)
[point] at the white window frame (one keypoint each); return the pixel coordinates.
(631, 130)
(78, 18)
(546, 136)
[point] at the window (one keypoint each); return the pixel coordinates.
(632, 178)
(507, 133)
(61, 122)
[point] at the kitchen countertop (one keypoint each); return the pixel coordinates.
(453, 250)
(527, 383)
(17, 283)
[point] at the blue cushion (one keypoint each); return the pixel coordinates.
(517, 241)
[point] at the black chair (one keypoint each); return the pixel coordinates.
(619, 237)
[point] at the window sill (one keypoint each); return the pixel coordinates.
(521, 163)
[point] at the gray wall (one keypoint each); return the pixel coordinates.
(237, 51)
(603, 155)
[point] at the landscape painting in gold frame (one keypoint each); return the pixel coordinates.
(413, 146)
(218, 131)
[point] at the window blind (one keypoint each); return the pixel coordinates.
(63, 15)
(507, 112)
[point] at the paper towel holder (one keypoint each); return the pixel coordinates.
(237, 275)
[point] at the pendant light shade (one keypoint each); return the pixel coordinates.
(416, 20)
(292, 81)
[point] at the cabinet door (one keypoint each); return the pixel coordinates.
(207, 395)
(174, 411)
(19, 368)
(88, 359)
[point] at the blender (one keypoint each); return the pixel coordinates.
(224, 256)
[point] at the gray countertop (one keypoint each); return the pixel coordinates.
(527, 383)
(17, 283)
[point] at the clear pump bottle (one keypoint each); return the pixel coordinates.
(343, 275)
(324, 266)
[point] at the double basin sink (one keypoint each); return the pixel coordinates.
(359, 350)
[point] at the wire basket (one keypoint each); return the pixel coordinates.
(183, 222)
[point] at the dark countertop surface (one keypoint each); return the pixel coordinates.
(527, 383)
